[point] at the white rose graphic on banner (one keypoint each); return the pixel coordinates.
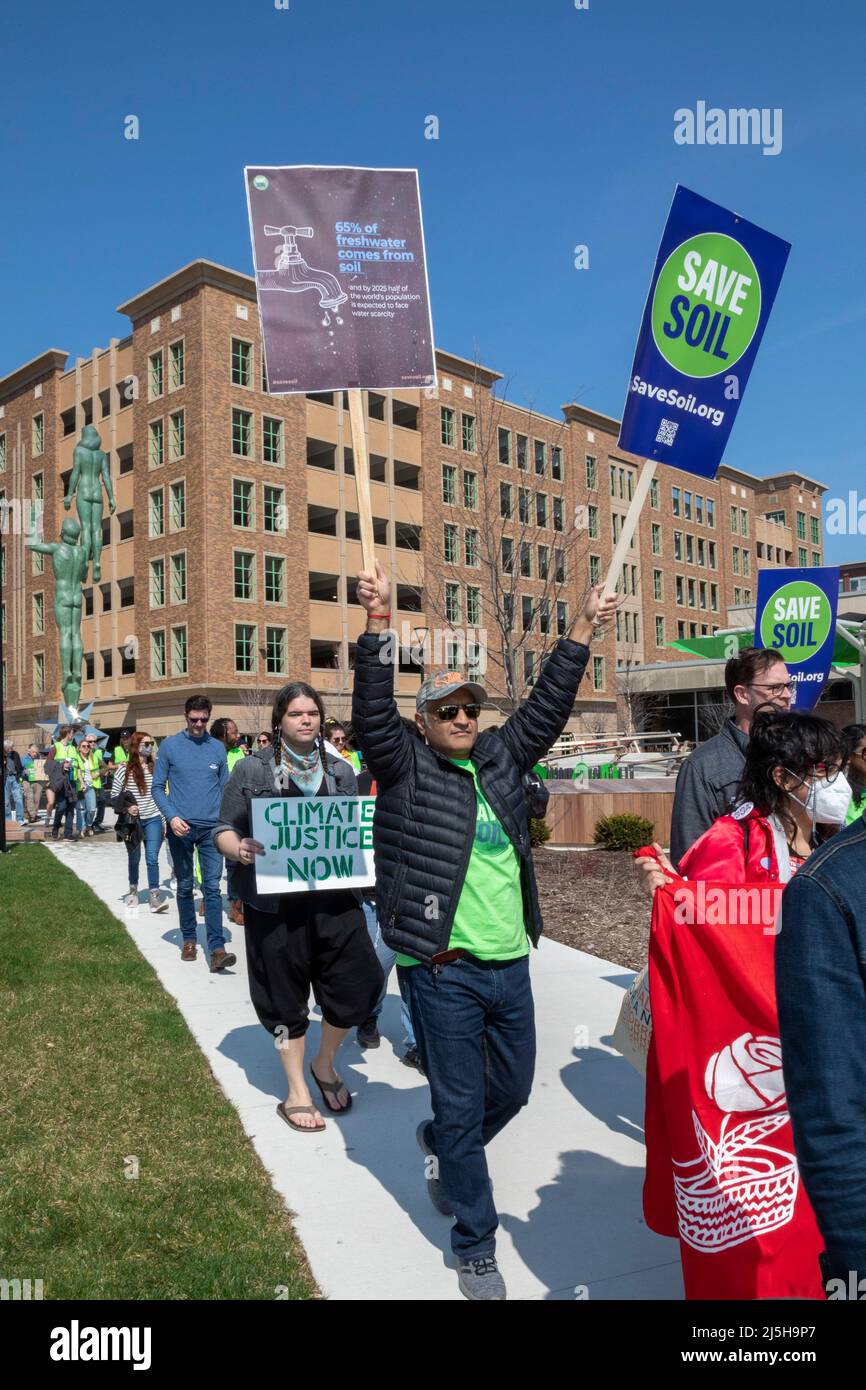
(739, 1188)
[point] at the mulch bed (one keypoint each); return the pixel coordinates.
(592, 900)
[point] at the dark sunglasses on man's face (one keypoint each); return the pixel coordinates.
(195, 719)
(445, 713)
(263, 742)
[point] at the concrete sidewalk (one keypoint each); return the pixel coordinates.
(567, 1172)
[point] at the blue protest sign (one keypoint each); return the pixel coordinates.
(712, 289)
(796, 616)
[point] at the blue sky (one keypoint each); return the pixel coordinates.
(556, 129)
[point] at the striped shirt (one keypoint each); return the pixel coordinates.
(147, 807)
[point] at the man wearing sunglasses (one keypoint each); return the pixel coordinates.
(457, 901)
(708, 778)
(191, 772)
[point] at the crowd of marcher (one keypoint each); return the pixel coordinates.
(455, 906)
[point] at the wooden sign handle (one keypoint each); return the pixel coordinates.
(629, 525)
(362, 479)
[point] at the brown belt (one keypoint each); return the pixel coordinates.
(445, 956)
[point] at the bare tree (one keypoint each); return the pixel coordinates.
(509, 549)
(257, 701)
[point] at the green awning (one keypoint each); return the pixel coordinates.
(716, 648)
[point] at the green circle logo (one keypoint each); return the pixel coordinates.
(706, 305)
(796, 621)
(260, 182)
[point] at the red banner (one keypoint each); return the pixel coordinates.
(721, 1170)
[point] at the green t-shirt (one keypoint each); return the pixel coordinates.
(234, 755)
(489, 917)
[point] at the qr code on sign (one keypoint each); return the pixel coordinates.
(667, 432)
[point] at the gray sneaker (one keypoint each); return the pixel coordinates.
(157, 902)
(431, 1172)
(480, 1280)
(131, 899)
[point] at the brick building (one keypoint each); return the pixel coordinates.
(229, 562)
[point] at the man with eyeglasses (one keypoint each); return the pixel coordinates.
(708, 778)
(191, 771)
(457, 900)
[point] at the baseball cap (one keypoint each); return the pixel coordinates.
(444, 683)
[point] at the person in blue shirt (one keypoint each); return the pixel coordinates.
(191, 771)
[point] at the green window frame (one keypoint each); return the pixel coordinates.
(272, 440)
(243, 573)
(242, 502)
(275, 579)
(156, 452)
(176, 364)
(245, 648)
(179, 651)
(242, 362)
(446, 426)
(275, 651)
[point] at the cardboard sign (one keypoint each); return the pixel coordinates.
(313, 842)
(341, 278)
(796, 616)
(712, 289)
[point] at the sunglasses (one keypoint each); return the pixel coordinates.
(445, 713)
(263, 742)
(194, 719)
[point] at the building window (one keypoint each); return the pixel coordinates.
(244, 574)
(242, 502)
(556, 463)
(801, 526)
(156, 514)
(598, 673)
(744, 522)
(529, 668)
(526, 560)
(176, 436)
(557, 514)
(450, 543)
(2, 453)
(38, 614)
(559, 566)
(735, 555)
(654, 494)
(155, 385)
(177, 506)
(522, 451)
(468, 433)
(526, 613)
(178, 577)
(179, 655)
(507, 555)
(656, 537)
(275, 579)
(242, 432)
(735, 528)
(714, 597)
(615, 522)
(242, 362)
(712, 554)
(690, 549)
(470, 546)
(594, 568)
(711, 512)
(157, 655)
(675, 498)
(504, 441)
(699, 510)
(273, 512)
(591, 472)
(687, 506)
(272, 431)
(245, 648)
(678, 545)
(156, 456)
(701, 551)
(275, 651)
(658, 586)
(540, 509)
(680, 590)
(452, 603)
(37, 487)
(470, 491)
(660, 632)
(802, 560)
(449, 484)
(746, 564)
(702, 594)
(561, 618)
(523, 505)
(691, 585)
(540, 453)
(176, 365)
(815, 527)
(544, 617)
(473, 605)
(157, 583)
(446, 426)
(816, 558)
(738, 596)
(543, 561)
(38, 674)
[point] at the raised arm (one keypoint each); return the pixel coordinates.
(44, 547)
(385, 743)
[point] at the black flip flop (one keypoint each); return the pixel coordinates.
(286, 1111)
(333, 1088)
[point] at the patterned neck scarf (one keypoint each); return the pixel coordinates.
(304, 769)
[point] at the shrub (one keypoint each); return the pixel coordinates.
(539, 831)
(623, 832)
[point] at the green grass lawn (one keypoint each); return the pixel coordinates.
(98, 1065)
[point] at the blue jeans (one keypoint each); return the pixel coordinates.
(386, 957)
(64, 809)
(12, 794)
(475, 1026)
(211, 862)
(151, 830)
(85, 809)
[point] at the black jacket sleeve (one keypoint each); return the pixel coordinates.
(537, 724)
(386, 744)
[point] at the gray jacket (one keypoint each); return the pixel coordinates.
(254, 776)
(706, 787)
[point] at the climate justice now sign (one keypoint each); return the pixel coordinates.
(796, 616)
(712, 289)
(313, 842)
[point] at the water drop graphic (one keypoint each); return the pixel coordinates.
(326, 320)
(339, 320)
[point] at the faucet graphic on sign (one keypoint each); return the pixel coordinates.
(292, 275)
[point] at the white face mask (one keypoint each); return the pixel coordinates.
(829, 801)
